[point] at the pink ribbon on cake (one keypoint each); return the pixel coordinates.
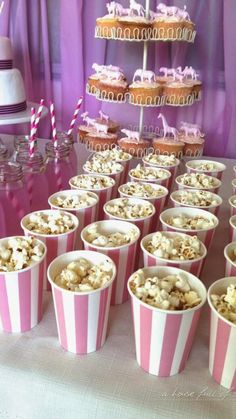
(6, 64)
(18, 107)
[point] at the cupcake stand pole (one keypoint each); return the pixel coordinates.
(145, 53)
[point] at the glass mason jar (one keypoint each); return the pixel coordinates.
(21, 143)
(35, 178)
(59, 169)
(64, 138)
(14, 200)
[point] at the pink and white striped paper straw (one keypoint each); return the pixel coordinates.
(72, 124)
(164, 338)
(86, 215)
(123, 256)
(38, 116)
(56, 243)
(193, 266)
(222, 360)
(81, 317)
(53, 124)
(32, 131)
(21, 295)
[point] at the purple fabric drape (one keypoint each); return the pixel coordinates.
(39, 28)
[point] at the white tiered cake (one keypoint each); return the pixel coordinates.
(12, 89)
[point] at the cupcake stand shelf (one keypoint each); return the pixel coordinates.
(21, 117)
(182, 34)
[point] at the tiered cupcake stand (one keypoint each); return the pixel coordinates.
(153, 35)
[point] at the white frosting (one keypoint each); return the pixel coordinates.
(5, 49)
(12, 90)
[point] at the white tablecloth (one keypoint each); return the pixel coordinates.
(38, 380)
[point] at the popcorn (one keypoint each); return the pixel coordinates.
(190, 223)
(82, 276)
(114, 154)
(102, 165)
(208, 167)
(178, 248)
(196, 198)
(55, 222)
(94, 236)
(142, 190)
(74, 201)
(148, 173)
(172, 292)
(127, 209)
(198, 180)
(225, 304)
(92, 182)
(161, 159)
(19, 253)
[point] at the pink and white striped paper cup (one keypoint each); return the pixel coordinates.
(233, 183)
(104, 194)
(205, 235)
(123, 256)
(164, 338)
(222, 360)
(232, 228)
(21, 295)
(214, 189)
(85, 215)
(164, 181)
(232, 203)
(230, 266)
(158, 202)
(173, 169)
(81, 317)
(214, 208)
(117, 176)
(217, 171)
(193, 266)
(56, 244)
(144, 224)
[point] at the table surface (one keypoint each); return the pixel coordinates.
(40, 380)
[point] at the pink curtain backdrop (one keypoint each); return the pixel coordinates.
(54, 47)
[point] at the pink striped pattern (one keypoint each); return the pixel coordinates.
(232, 233)
(117, 178)
(6, 64)
(72, 124)
(85, 216)
(194, 268)
(222, 360)
(53, 125)
(230, 269)
(104, 196)
(163, 340)
(56, 245)
(124, 259)
(32, 133)
(82, 319)
(38, 116)
(19, 107)
(21, 295)
(124, 174)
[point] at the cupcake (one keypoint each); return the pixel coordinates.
(134, 27)
(145, 90)
(178, 93)
(108, 82)
(193, 139)
(168, 146)
(133, 144)
(173, 24)
(106, 26)
(99, 141)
